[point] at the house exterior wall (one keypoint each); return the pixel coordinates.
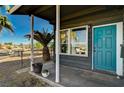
(105, 17)
(79, 61)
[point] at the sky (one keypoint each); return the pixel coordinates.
(21, 25)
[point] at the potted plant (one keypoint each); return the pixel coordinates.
(37, 67)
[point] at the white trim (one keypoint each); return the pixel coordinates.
(14, 8)
(92, 48)
(73, 27)
(119, 39)
(78, 27)
(119, 66)
(73, 54)
(57, 75)
(69, 41)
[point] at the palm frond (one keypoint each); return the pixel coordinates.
(8, 25)
(27, 36)
(43, 37)
(4, 22)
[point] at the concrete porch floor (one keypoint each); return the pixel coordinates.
(73, 77)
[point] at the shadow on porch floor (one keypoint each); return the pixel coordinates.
(72, 77)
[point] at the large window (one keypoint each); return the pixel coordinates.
(74, 41)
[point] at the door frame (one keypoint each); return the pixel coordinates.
(119, 41)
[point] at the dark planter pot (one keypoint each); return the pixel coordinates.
(37, 67)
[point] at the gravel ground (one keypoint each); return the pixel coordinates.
(9, 77)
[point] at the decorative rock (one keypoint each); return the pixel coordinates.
(50, 66)
(45, 73)
(118, 77)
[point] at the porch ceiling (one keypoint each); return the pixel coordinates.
(43, 11)
(68, 12)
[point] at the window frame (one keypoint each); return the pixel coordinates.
(69, 41)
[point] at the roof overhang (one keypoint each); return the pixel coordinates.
(68, 12)
(46, 12)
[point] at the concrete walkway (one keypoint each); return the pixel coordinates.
(86, 78)
(72, 77)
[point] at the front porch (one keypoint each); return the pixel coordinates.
(73, 77)
(73, 50)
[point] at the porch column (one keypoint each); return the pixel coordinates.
(57, 77)
(32, 42)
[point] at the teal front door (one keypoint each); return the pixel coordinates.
(104, 48)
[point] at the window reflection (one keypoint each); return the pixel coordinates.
(78, 41)
(63, 41)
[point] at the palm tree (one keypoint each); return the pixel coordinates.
(4, 22)
(44, 39)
